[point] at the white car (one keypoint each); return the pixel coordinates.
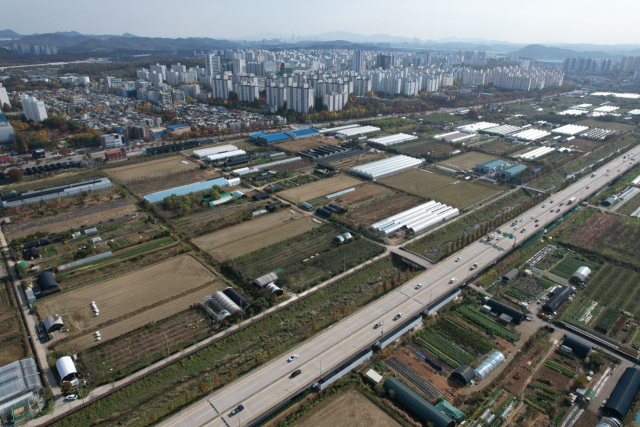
(544, 206)
(498, 238)
(419, 285)
(71, 397)
(292, 358)
(453, 280)
(398, 316)
(515, 228)
(533, 216)
(458, 259)
(521, 219)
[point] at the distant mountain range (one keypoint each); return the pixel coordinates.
(73, 41)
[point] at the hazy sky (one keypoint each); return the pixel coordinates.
(537, 21)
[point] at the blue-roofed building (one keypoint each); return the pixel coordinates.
(190, 188)
(255, 136)
(274, 138)
(511, 171)
(490, 167)
(303, 133)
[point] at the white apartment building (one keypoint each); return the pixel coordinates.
(156, 78)
(4, 98)
(179, 68)
(246, 91)
(221, 86)
(276, 95)
(173, 77)
(357, 61)
(239, 66)
(111, 141)
(212, 65)
(34, 110)
(335, 101)
(159, 69)
(362, 85)
(300, 98)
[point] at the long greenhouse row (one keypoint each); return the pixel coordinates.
(386, 167)
(416, 219)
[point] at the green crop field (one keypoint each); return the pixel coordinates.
(444, 346)
(569, 265)
(439, 187)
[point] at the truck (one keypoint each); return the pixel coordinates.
(571, 200)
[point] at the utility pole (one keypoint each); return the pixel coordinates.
(167, 340)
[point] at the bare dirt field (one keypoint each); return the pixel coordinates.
(151, 168)
(362, 194)
(595, 226)
(606, 125)
(384, 208)
(436, 147)
(241, 239)
(351, 409)
(306, 143)
(362, 159)
(466, 160)
(87, 216)
(319, 188)
(138, 320)
(126, 295)
(583, 144)
(292, 166)
(439, 187)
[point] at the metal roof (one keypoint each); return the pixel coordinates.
(514, 169)
(186, 189)
(577, 347)
(417, 405)
(303, 132)
(492, 164)
(18, 378)
(463, 374)
(623, 394)
(558, 298)
(66, 368)
(262, 281)
(274, 137)
(501, 308)
(489, 365)
(47, 281)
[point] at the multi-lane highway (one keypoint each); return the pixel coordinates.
(265, 387)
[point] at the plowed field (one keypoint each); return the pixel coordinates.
(319, 188)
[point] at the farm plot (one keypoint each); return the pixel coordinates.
(150, 169)
(65, 178)
(363, 158)
(241, 239)
(85, 217)
(319, 188)
(117, 299)
(500, 147)
(433, 147)
(623, 127)
(466, 160)
(12, 348)
(306, 259)
(630, 206)
(373, 210)
(438, 187)
(487, 324)
(569, 265)
(154, 316)
(306, 143)
(350, 409)
(583, 144)
(145, 185)
(444, 346)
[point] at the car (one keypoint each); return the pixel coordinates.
(544, 206)
(551, 201)
(618, 170)
(419, 285)
(607, 174)
(537, 225)
(537, 220)
(377, 325)
(521, 219)
(498, 238)
(558, 211)
(292, 358)
(523, 230)
(295, 373)
(515, 228)
(458, 259)
(561, 203)
(398, 316)
(453, 280)
(533, 216)
(587, 187)
(71, 397)
(239, 408)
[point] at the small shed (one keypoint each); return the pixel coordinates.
(511, 275)
(505, 319)
(263, 281)
(463, 374)
(577, 347)
(273, 206)
(48, 284)
(53, 323)
(610, 201)
(450, 410)
(373, 376)
(32, 254)
(260, 196)
(581, 275)
(560, 295)
(501, 308)
(66, 369)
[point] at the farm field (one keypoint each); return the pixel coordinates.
(85, 217)
(151, 169)
(439, 117)
(117, 298)
(10, 334)
(438, 187)
(500, 147)
(582, 144)
(144, 185)
(364, 158)
(630, 206)
(570, 264)
(306, 143)
(69, 176)
(349, 409)
(435, 147)
(466, 160)
(152, 315)
(268, 229)
(307, 259)
(606, 125)
(319, 188)
(362, 194)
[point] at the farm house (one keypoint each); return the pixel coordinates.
(623, 394)
(53, 323)
(386, 167)
(268, 282)
(511, 275)
(580, 275)
(203, 153)
(47, 284)
(559, 296)
(490, 167)
(417, 405)
(500, 308)
(492, 362)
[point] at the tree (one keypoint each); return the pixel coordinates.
(346, 208)
(596, 359)
(215, 195)
(202, 387)
(170, 408)
(153, 417)
(257, 359)
(269, 352)
(16, 175)
(334, 217)
(216, 380)
(66, 387)
(385, 285)
(186, 396)
(230, 372)
(394, 282)
(580, 381)
(313, 324)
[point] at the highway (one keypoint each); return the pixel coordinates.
(263, 388)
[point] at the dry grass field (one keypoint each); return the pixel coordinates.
(151, 168)
(350, 409)
(438, 187)
(138, 320)
(126, 295)
(306, 143)
(606, 125)
(88, 216)
(241, 239)
(319, 188)
(466, 160)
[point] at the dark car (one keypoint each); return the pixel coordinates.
(240, 408)
(296, 373)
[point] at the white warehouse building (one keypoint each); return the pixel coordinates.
(386, 167)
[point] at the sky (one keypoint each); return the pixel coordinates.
(516, 21)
